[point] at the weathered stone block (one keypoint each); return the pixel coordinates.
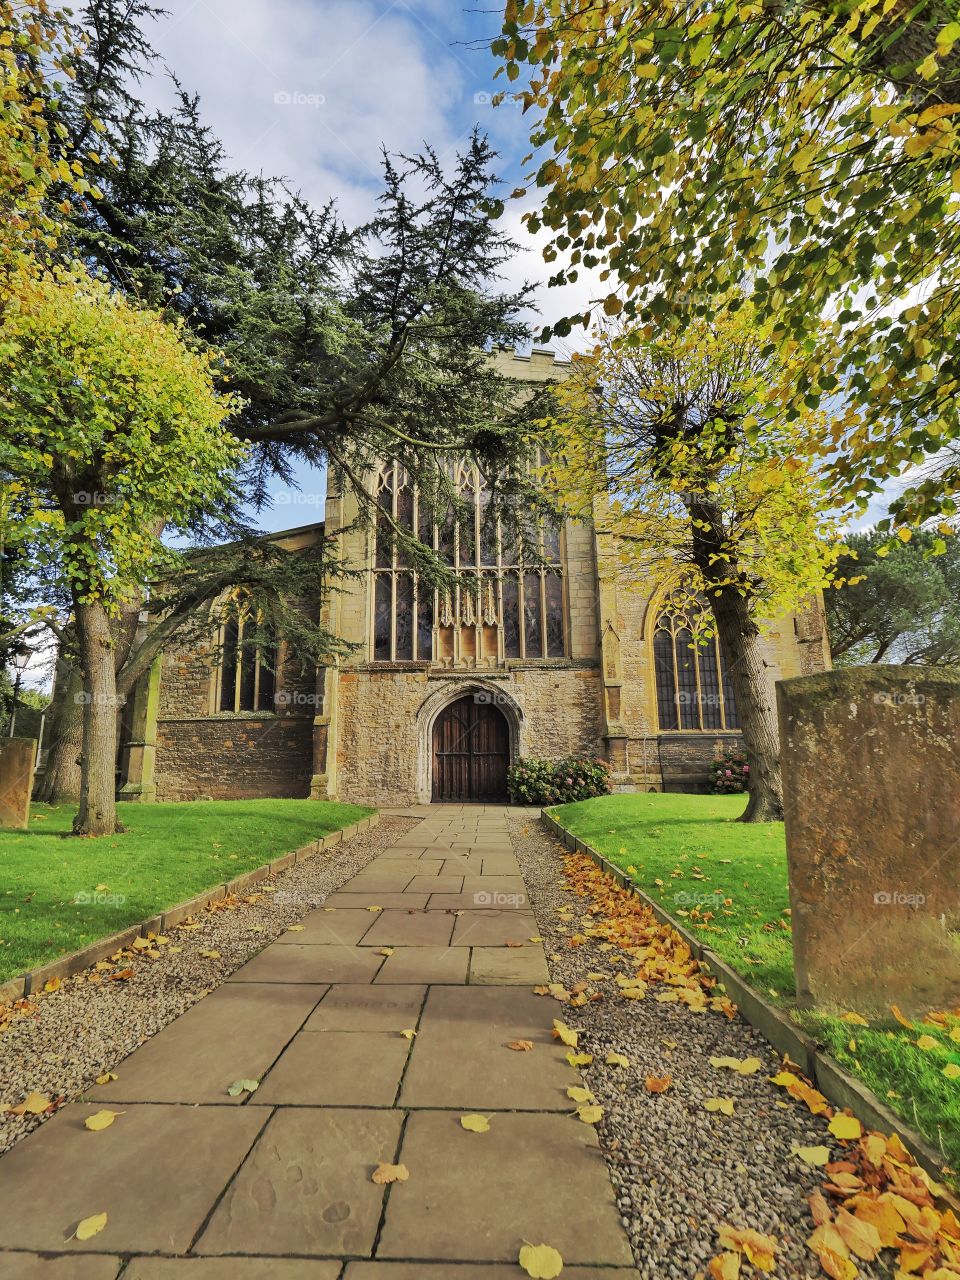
(871, 767)
(17, 759)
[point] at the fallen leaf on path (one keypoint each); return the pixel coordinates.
(577, 1093)
(121, 975)
(723, 1105)
(725, 1267)
(617, 1060)
(578, 1059)
(408, 1033)
(847, 1128)
(816, 1156)
(540, 1261)
(513, 944)
(658, 1084)
(385, 951)
(756, 1248)
(101, 1120)
(590, 1113)
(742, 1066)
(475, 1124)
(91, 1226)
(34, 1104)
(385, 1173)
(564, 1034)
(520, 1046)
(243, 1086)
(374, 908)
(856, 1018)
(106, 1077)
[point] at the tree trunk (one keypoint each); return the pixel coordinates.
(753, 689)
(98, 805)
(61, 776)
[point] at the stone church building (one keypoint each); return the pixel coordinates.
(440, 693)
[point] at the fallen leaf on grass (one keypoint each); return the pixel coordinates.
(520, 1046)
(590, 1113)
(742, 1066)
(904, 1022)
(100, 1120)
(617, 1060)
(952, 1071)
(91, 1226)
(856, 1018)
(564, 1034)
(658, 1084)
(385, 1173)
(540, 1261)
(926, 1042)
(723, 1105)
(243, 1086)
(475, 1124)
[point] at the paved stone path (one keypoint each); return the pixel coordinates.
(276, 1185)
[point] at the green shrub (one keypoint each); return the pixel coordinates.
(546, 782)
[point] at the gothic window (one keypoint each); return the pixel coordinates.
(692, 681)
(499, 608)
(246, 673)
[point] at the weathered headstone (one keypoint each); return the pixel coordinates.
(871, 771)
(17, 759)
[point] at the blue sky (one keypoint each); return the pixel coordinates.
(311, 89)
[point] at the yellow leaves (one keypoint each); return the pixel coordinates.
(857, 1019)
(475, 1124)
(374, 908)
(590, 1113)
(520, 1046)
(210, 955)
(540, 1261)
(387, 1173)
(295, 928)
(578, 1059)
(243, 1086)
(90, 1227)
(106, 1077)
(926, 1042)
(616, 1060)
(815, 1156)
(52, 984)
(723, 1105)
(34, 1104)
(724, 1267)
(577, 1093)
(408, 1033)
(100, 1120)
(658, 1084)
(385, 951)
(846, 1128)
(951, 1071)
(743, 1067)
(564, 1034)
(758, 1249)
(646, 70)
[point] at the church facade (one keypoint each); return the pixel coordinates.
(442, 690)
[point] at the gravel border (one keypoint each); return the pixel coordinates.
(71, 1035)
(678, 1171)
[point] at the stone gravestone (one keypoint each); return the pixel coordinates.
(17, 759)
(871, 773)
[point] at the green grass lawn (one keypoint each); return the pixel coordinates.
(727, 882)
(168, 853)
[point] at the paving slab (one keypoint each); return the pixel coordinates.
(234, 1033)
(478, 1197)
(460, 1058)
(381, 881)
(492, 884)
(337, 1069)
(482, 1271)
(493, 928)
(306, 1189)
(345, 927)
(505, 966)
(410, 929)
(33, 1266)
(341, 901)
(436, 884)
(229, 1269)
(476, 901)
(156, 1172)
(425, 964)
(499, 864)
(310, 962)
(359, 1008)
(388, 865)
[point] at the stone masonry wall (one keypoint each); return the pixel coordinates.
(234, 757)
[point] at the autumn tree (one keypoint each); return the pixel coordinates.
(113, 429)
(898, 602)
(804, 152)
(680, 450)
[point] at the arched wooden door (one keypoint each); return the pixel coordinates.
(471, 752)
